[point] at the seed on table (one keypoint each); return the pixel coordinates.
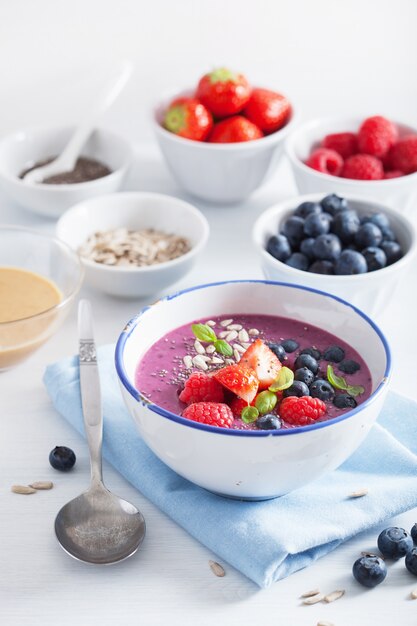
(243, 335)
(199, 348)
(413, 594)
(253, 331)
(358, 494)
(308, 594)
(239, 348)
(314, 599)
(225, 323)
(200, 362)
(217, 569)
(324, 623)
(42, 484)
(210, 349)
(188, 362)
(211, 323)
(23, 489)
(231, 336)
(236, 354)
(235, 327)
(334, 595)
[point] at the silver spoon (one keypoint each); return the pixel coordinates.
(97, 527)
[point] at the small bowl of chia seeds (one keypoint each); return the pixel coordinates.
(100, 169)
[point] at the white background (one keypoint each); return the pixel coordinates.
(329, 57)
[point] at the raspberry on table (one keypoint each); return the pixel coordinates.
(403, 155)
(344, 144)
(363, 167)
(301, 411)
(209, 413)
(376, 136)
(201, 388)
(325, 161)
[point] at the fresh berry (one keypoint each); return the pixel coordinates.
(376, 136)
(259, 358)
(279, 247)
(269, 110)
(201, 388)
(316, 354)
(413, 533)
(363, 167)
(345, 225)
(394, 542)
(298, 261)
(411, 561)
(304, 375)
(62, 458)
(334, 354)
(268, 422)
(344, 401)
(240, 380)
(344, 144)
(369, 571)
(188, 118)
(237, 405)
(223, 92)
(348, 366)
(301, 411)
(298, 388)
(322, 267)
(306, 247)
(393, 174)
(392, 250)
(290, 345)
(325, 161)
(382, 221)
(327, 247)
(375, 258)
(368, 235)
(278, 350)
(293, 229)
(306, 360)
(234, 130)
(210, 413)
(307, 208)
(350, 262)
(322, 389)
(333, 204)
(317, 224)
(403, 155)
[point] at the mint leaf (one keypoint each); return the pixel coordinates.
(250, 414)
(265, 402)
(204, 332)
(284, 380)
(222, 347)
(355, 390)
(338, 382)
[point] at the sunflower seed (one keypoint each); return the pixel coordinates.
(230, 362)
(413, 594)
(200, 362)
(308, 594)
(253, 332)
(235, 327)
(379, 556)
(239, 348)
(225, 323)
(205, 357)
(231, 336)
(188, 362)
(199, 348)
(358, 494)
(211, 323)
(210, 349)
(334, 595)
(224, 334)
(245, 345)
(324, 623)
(24, 489)
(216, 361)
(243, 335)
(236, 354)
(42, 484)
(314, 599)
(217, 569)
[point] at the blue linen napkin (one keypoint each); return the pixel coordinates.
(259, 538)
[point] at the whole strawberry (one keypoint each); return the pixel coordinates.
(223, 92)
(269, 110)
(188, 118)
(233, 130)
(301, 411)
(403, 155)
(344, 144)
(363, 167)
(201, 388)
(376, 136)
(325, 161)
(210, 413)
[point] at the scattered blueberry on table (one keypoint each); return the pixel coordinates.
(369, 571)
(394, 542)
(62, 458)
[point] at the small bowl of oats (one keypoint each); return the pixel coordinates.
(134, 244)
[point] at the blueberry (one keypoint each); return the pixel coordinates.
(293, 229)
(327, 247)
(392, 251)
(298, 261)
(345, 225)
(333, 203)
(278, 350)
(334, 354)
(368, 235)
(62, 458)
(350, 262)
(279, 247)
(348, 366)
(344, 401)
(316, 354)
(322, 390)
(298, 388)
(394, 542)
(317, 224)
(379, 219)
(268, 422)
(375, 258)
(306, 360)
(322, 267)
(369, 571)
(306, 247)
(411, 561)
(413, 533)
(290, 345)
(304, 375)
(307, 208)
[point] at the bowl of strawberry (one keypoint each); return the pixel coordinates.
(222, 138)
(251, 389)
(374, 157)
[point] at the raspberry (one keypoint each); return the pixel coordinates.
(376, 136)
(210, 413)
(363, 167)
(403, 156)
(237, 405)
(344, 144)
(301, 411)
(326, 161)
(393, 174)
(201, 388)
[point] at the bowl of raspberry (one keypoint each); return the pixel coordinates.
(373, 157)
(251, 389)
(354, 248)
(223, 138)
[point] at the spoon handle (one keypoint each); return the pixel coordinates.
(90, 389)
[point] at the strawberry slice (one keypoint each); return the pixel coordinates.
(263, 362)
(240, 380)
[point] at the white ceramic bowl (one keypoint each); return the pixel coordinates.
(252, 464)
(135, 210)
(399, 192)
(24, 148)
(219, 173)
(371, 292)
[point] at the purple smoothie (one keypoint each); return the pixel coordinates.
(161, 373)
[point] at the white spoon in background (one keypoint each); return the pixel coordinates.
(66, 161)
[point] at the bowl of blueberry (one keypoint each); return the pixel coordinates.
(353, 248)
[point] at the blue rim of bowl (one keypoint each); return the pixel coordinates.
(135, 393)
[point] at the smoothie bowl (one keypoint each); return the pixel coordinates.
(251, 389)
